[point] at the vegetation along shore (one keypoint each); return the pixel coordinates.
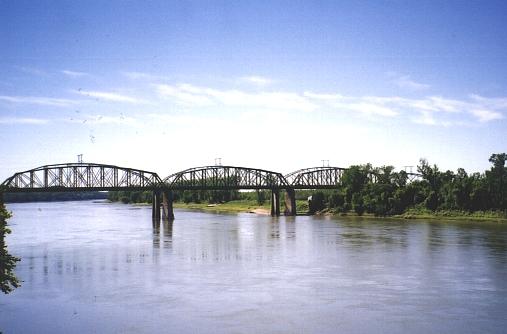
(435, 195)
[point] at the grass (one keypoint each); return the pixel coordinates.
(232, 206)
(491, 216)
(240, 206)
(302, 208)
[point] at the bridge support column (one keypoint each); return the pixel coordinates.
(167, 205)
(290, 202)
(155, 205)
(275, 202)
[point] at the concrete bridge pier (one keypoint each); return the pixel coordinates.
(167, 205)
(290, 202)
(275, 202)
(155, 205)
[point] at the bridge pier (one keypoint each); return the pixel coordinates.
(155, 205)
(290, 202)
(162, 201)
(275, 202)
(167, 205)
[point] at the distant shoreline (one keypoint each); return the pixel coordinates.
(246, 207)
(53, 196)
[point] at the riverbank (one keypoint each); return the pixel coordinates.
(427, 215)
(232, 207)
(254, 207)
(488, 216)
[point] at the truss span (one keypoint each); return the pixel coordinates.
(225, 178)
(330, 177)
(315, 177)
(81, 176)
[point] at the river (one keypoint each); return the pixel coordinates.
(107, 268)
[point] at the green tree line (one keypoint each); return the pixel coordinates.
(381, 191)
(391, 193)
(8, 280)
(53, 196)
(187, 196)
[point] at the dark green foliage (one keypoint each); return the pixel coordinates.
(8, 280)
(381, 191)
(317, 203)
(53, 196)
(354, 180)
(130, 196)
(261, 197)
(187, 196)
(358, 203)
(431, 202)
(336, 200)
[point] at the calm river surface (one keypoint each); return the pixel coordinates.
(106, 268)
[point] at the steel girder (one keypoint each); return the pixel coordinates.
(225, 178)
(91, 176)
(327, 177)
(81, 176)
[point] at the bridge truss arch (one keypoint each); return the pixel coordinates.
(81, 177)
(315, 177)
(331, 177)
(225, 178)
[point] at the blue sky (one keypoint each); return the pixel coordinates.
(165, 86)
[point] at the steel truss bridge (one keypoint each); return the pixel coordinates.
(99, 177)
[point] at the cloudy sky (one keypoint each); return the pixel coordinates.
(169, 85)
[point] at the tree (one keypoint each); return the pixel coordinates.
(354, 180)
(358, 203)
(317, 202)
(261, 197)
(497, 178)
(8, 280)
(336, 200)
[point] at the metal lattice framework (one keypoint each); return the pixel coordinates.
(225, 178)
(90, 176)
(327, 177)
(81, 176)
(315, 177)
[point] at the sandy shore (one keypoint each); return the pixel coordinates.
(260, 211)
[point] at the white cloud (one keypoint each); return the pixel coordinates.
(484, 115)
(134, 75)
(194, 96)
(23, 120)
(100, 119)
(184, 96)
(323, 96)
(370, 109)
(74, 74)
(425, 117)
(490, 102)
(257, 80)
(430, 110)
(45, 101)
(405, 82)
(110, 96)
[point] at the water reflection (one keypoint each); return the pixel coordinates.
(156, 233)
(249, 273)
